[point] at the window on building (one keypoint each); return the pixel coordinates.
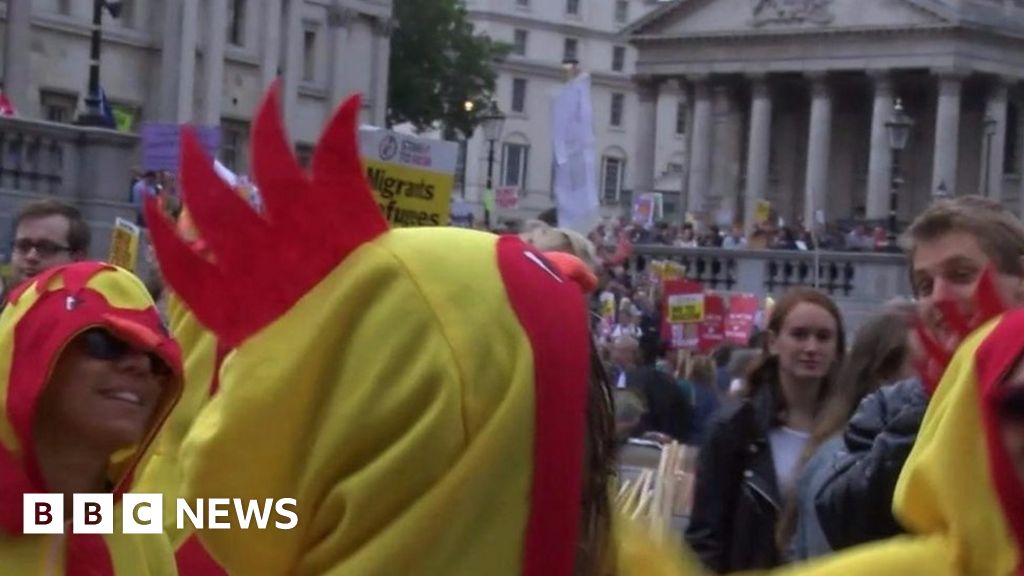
(570, 49)
(519, 94)
(1014, 139)
(681, 112)
(612, 171)
(514, 161)
(58, 106)
(572, 7)
(64, 7)
(621, 11)
(618, 58)
(309, 55)
(233, 138)
(519, 42)
(618, 102)
(236, 22)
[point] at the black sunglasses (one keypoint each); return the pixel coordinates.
(102, 345)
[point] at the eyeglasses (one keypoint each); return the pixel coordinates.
(103, 345)
(44, 248)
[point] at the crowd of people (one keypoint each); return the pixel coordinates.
(445, 401)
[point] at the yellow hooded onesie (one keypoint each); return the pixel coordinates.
(421, 393)
(42, 316)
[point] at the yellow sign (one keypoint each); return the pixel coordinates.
(608, 306)
(764, 211)
(411, 177)
(124, 244)
(685, 308)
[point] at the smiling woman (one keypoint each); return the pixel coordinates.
(87, 377)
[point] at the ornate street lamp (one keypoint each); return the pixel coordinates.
(493, 121)
(93, 115)
(898, 128)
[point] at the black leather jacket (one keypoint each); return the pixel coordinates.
(736, 499)
(854, 504)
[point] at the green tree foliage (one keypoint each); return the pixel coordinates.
(438, 64)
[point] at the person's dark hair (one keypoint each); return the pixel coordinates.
(723, 354)
(878, 354)
(595, 550)
(766, 371)
(79, 235)
(549, 217)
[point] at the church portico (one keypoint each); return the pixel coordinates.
(790, 102)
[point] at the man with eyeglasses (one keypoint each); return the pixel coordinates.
(47, 233)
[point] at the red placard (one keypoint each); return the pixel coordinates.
(739, 322)
(712, 329)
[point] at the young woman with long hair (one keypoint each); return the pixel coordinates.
(881, 354)
(749, 460)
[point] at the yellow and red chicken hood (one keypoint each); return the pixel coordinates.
(419, 392)
(42, 316)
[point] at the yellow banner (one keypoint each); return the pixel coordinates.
(124, 244)
(685, 308)
(763, 212)
(409, 196)
(412, 177)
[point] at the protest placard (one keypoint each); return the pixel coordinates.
(411, 177)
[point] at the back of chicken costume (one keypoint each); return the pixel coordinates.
(419, 392)
(42, 316)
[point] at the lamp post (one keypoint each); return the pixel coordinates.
(898, 128)
(468, 106)
(93, 115)
(989, 124)
(493, 121)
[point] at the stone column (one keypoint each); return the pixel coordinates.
(170, 62)
(646, 134)
(880, 160)
(292, 57)
(339, 18)
(819, 140)
(271, 60)
(995, 145)
(759, 142)
(187, 55)
(17, 49)
(699, 180)
(213, 61)
(383, 27)
(947, 133)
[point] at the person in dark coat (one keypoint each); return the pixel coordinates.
(669, 411)
(748, 464)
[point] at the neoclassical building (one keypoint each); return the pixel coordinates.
(788, 100)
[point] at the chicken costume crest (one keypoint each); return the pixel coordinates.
(419, 392)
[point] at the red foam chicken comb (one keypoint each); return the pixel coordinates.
(259, 265)
(987, 304)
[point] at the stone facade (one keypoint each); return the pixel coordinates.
(202, 61)
(187, 61)
(790, 100)
(625, 158)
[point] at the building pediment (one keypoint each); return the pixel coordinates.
(715, 17)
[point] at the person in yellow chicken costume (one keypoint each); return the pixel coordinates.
(88, 374)
(422, 393)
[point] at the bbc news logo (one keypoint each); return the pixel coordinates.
(143, 514)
